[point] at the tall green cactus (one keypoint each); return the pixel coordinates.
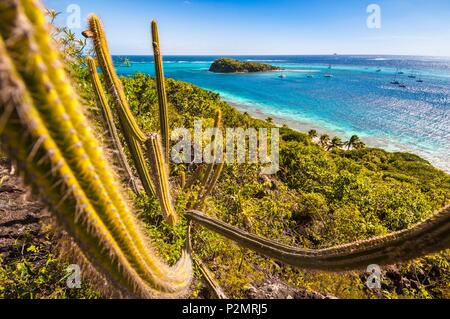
(427, 237)
(48, 136)
(130, 129)
(160, 177)
(161, 88)
(109, 120)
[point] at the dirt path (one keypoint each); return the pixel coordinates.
(21, 218)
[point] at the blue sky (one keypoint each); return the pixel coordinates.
(269, 27)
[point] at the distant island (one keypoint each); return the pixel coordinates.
(227, 65)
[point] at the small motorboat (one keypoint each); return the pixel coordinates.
(402, 86)
(412, 76)
(309, 76)
(401, 73)
(378, 71)
(420, 80)
(395, 82)
(282, 76)
(328, 75)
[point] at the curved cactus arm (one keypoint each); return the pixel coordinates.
(110, 125)
(97, 33)
(130, 129)
(97, 230)
(160, 177)
(427, 237)
(161, 89)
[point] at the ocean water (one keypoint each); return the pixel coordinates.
(358, 99)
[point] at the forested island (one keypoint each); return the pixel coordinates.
(227, 65)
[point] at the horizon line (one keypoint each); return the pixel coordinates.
(343, 54)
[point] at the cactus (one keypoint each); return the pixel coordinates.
(162, 97)
(111, 127)
(160, 177)
(182, 175)
(212, 182)
(206, 273)
(130, 129)
(427, 237)
(50, 139)
(210, 169)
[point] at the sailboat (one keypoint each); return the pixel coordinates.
(412, 75)
(395, 81)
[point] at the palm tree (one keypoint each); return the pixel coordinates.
(335, 142)
(355, 143)
(352, 141)
(324, 140)
(312, 134)
(269, 120)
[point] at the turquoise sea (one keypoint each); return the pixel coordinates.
(358, 99)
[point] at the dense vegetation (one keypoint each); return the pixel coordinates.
(318, 199)
(227, 65)
(322, 196)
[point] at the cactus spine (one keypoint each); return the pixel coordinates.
(63, 152)
(130, 129)
(161, 88)
(109, 120)
(427, 237)
(160, 178)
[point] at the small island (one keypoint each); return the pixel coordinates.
(227, 65)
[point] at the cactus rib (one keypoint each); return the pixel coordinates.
(160, 177)
(427, 237)
(109, 120)
(161, 89)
